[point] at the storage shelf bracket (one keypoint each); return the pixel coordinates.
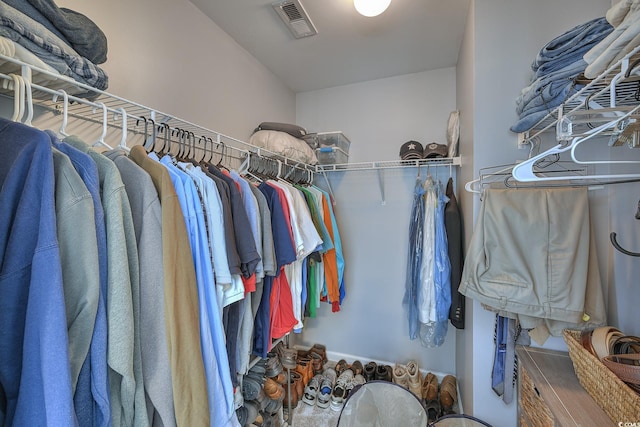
(381, 184)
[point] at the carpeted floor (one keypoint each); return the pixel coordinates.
(311, 416)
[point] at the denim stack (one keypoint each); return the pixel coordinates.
(40, 33)
(555, 69)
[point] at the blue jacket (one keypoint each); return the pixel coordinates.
(34, 373)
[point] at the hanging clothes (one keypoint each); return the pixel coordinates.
(147, 222)
(35, 366)
(453, 226)
(123, 293)
(181, 301)
(427, 297)
(414, 260)
(442, 278)
(164, 275)
(91, 399)
(562, 294)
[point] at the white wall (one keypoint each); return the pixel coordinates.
(507, 36)
(378, 116)
(168, 55)
(465, 98)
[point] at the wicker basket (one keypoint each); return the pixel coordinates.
(616, 398)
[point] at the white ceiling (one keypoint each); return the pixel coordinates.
(410, 36)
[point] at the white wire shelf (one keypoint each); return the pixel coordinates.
(602, 99)
(389, 164)
(63, 95)
(53, 91)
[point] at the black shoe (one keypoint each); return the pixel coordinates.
(383, 373)
(370, 371)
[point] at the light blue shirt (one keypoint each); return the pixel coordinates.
(442, 279)
(214, 350)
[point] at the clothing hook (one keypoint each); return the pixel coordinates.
(614, 242)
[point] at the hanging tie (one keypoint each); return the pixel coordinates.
(504, 363)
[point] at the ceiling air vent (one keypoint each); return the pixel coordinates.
(295, 18)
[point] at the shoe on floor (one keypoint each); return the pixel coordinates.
(430, 387)
(357, 380)
(400, 376)
(357, 367)
(323, 399)
(448, 393)
(341, 366)
(370, 371)
(340, 390)
(414, 379)
(383, 373)
(311, 390)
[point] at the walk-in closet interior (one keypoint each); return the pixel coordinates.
(550, 190)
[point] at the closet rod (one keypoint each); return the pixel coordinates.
(135, 111)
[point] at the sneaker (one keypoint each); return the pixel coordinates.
(340, 390)
(326, 388)
(356, 381)
(330, 376)
(311, 390)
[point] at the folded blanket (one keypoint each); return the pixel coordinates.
(19, 52)
(37, 39)
(84, 36)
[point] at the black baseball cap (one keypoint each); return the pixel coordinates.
(411, 150)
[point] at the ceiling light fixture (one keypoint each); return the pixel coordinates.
(371, 8)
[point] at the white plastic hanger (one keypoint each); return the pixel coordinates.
(524, 171)
(100, 140)
(65, 110)
(29, 100)
(17, 96)
(123, 139)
